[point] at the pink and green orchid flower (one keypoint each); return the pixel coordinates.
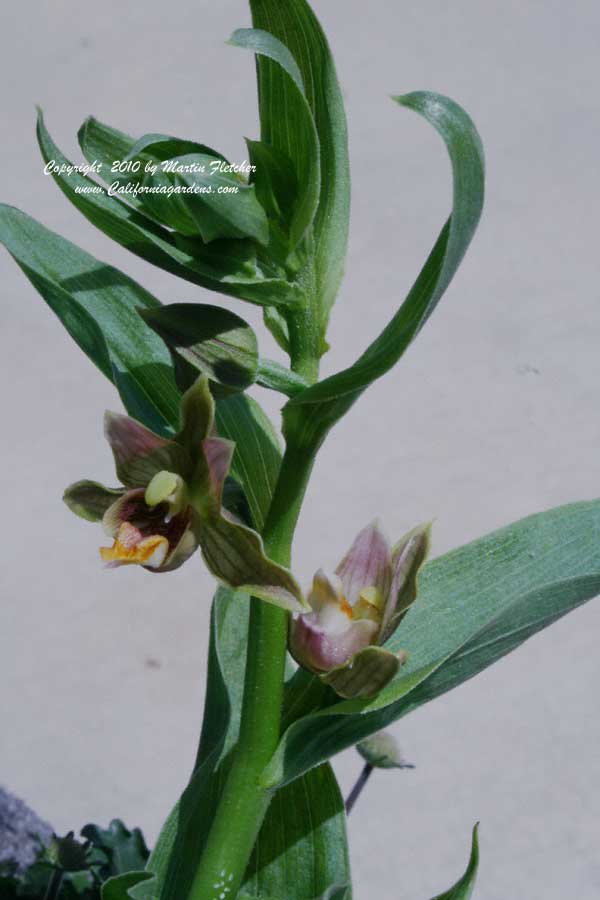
(171, 504)
(355, 610)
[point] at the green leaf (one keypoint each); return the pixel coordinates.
(126, 850)
(219, 205)
(257, 456)
(117, 888)
(228, 266)
(277, 325)
(301, 848)
(296, 135)
(103, 144)
(97, 305)
(463, 889)
(276, 186)
(315, 410)
(223, 204)
(296, 26)
(475, 604)
(210, 340)
(334, 892)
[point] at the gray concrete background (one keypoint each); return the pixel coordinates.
(491, 415)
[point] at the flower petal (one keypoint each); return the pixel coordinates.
(181, 552)
(148, 523)
(139, 453)
(321, 646)
(366, 674)
(367, 563)
(408, 557)
(90, 500)
(131, 547)
(326, 591)
(197, 415)
(218, 454)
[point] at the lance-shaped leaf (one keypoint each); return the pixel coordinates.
(333, 892)
(296, 26)
(311, 413)
(209, 341)
(222, 204)
(277, 325)
(297, 138)
(475, 605)
(118, 887)
(463, 889)
(276, 184)
(257, 457)
(102, 143)
(97, 305)
(213, 203)
(227, 266)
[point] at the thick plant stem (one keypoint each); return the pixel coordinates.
(244, 801)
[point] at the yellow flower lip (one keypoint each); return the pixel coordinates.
(130, 547)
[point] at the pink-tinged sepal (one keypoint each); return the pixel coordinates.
(233, 552)
(236, 556)
(409, 556)
(140, 454)
(218, 454)
(366, 564)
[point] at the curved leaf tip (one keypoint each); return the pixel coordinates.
(463, 889)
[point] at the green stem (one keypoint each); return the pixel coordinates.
(54, 885)
(305, 334)
(244, 802)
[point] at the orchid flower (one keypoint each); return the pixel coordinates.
(355, 610)
(171, 503)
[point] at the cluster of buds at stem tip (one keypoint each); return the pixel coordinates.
(355, 610)
(171, 503)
